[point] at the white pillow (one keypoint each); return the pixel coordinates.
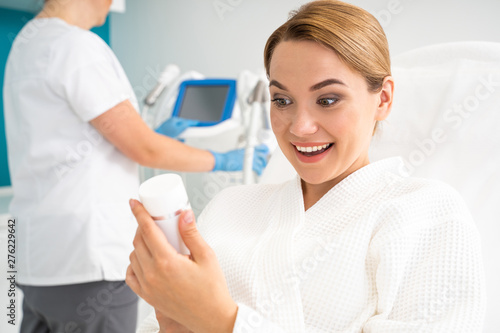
(445, 123)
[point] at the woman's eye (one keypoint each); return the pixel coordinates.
(327, 101)
(281, 102)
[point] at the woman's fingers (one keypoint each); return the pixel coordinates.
(132, 282)
(192, 238)
(153, 237)
(142, 252)
(180, 288)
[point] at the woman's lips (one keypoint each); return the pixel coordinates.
(313, 150)
(311, 153)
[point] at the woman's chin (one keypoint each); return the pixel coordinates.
(312, 178)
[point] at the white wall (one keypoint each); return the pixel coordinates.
(195, 35)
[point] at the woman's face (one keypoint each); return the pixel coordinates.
(322, 112)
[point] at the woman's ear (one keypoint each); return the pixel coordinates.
(385, 99)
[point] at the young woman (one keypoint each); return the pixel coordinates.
(348, 246)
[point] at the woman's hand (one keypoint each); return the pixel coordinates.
(168, 325)
(191, 291)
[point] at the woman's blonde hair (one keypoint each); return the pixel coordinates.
(353, 33)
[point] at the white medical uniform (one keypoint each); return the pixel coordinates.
(379, 253)
(71, 186)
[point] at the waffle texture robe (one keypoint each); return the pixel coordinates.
(380, 252)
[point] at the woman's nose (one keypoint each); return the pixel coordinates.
(303, 124)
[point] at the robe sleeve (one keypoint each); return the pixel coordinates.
(429, 274)
(149, 325)
(249, 320)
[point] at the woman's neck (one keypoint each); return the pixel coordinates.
(312, 193)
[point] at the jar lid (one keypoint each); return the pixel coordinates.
(163, 195)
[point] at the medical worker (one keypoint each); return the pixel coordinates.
(347, 246)
(74, 140)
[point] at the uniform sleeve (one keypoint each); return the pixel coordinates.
(84, 72)
(429, 275)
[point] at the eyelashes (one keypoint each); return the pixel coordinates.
(325, 102)
(328, 101)
(281, 102)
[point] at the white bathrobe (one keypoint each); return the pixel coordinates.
(380, 252)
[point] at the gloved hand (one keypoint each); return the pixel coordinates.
(233, 160)
(174, 126)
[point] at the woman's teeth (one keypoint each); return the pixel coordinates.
(313, 149)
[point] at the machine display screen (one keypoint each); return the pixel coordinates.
(210, 101)
(204, 103)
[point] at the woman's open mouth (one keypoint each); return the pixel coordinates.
(312, 153)
(313, 150)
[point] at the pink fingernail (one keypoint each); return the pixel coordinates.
(188, 216)
(131, 202)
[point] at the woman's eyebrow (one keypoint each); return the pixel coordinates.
(315, 87)
(277, 84)
(325, 83)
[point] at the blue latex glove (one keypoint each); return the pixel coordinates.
(174, 126)
(233, 160)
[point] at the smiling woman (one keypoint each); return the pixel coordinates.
(344, 87)
(323, 115)
(347, 246)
